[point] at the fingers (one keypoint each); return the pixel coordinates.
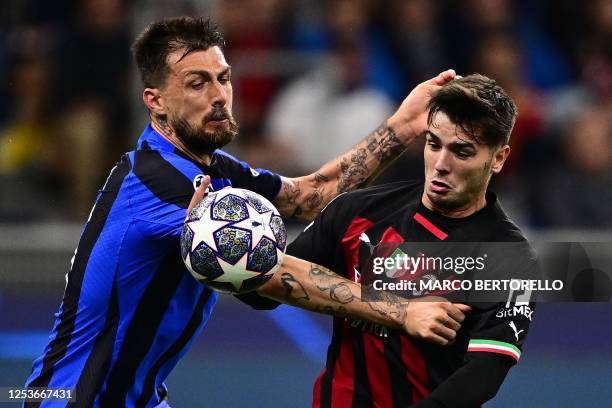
(443, 77)
(436, 320)
(444, 332)
(462, 307)
(457, 311)
(436, 339)
(451, 323)
(199, 194)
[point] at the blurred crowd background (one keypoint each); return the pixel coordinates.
(311, 78)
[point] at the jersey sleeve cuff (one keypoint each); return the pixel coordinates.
(494, 346)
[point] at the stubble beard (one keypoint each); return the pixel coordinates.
(471, 190)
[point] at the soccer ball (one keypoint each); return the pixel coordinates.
(233, 240)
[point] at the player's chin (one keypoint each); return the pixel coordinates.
(441, 199)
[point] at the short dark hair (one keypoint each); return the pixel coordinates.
(161, 38)
(479, 106)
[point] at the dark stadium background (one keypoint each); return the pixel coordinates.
(70, 103)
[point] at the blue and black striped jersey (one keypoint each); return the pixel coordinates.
(131, 310)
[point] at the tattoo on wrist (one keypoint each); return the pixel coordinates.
(386, 304)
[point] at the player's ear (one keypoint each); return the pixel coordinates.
(153, 100)
(499, 158)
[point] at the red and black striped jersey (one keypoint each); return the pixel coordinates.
(369, 365)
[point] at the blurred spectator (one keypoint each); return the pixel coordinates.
(414, 33)
(326, 111)
(576, 192)
(30, 153)
(310, 78)
(354, 21)
(591, 49)
(253, 31)
(94, 71)
(466, 24)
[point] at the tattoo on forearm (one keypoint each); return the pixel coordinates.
(353, 173)
(294, 290)
(314, 200)
(339, 311)
(371, 141)
(325, 279)
(320, 276)
(389, 146)
(341, 293)
(320, 178)
(291, 192)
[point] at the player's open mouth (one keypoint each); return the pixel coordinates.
(439, 186)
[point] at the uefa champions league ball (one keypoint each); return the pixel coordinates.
(233, 240)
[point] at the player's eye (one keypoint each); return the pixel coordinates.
(197, 85)
(224, 79)
(463, 154)
(433, 145)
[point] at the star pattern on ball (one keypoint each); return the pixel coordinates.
(237, 273)
(259, 225)
(203, 231)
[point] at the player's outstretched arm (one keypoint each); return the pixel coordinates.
(303, 197)
(313, 287)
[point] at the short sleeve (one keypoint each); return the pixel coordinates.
(261, 181)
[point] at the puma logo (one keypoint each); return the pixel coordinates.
(366, 240)
(516, 333)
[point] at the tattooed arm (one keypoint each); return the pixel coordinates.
(303, 197)
(316, 288)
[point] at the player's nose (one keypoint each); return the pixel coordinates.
(442, 162)
(218, 94)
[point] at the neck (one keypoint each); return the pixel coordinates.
(460, 212)
(163, 128)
